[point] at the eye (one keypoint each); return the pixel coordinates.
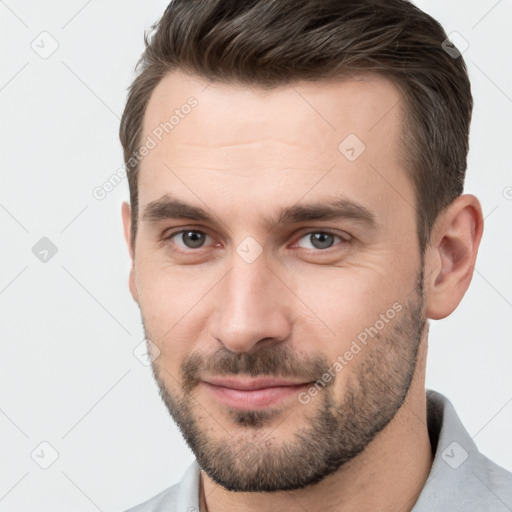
(319, 240)
(189, 238)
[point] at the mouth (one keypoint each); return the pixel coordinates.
(251, 394)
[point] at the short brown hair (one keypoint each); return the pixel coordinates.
(269, 43)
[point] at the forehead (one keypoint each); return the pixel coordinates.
(252, 143)
(320, 111)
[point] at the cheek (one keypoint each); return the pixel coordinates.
(172, 305)
(342, 304)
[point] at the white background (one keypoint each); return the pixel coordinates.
(69, 326)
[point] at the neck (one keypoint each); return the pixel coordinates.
(388, 475)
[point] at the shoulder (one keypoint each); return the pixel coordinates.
(461, 478)
(494, 479)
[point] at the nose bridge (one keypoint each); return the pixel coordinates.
(249, 306)
(246, 286)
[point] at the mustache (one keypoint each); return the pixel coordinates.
(273, 362)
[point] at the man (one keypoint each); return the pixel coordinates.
(296, 172)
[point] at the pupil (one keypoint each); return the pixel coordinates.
(321, 240)
(193, 239)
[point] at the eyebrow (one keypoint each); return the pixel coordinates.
(168, 207)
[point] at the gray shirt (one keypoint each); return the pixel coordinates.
(461, 478)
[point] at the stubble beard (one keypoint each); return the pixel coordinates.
(335, 433)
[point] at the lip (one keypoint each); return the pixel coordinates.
(251, 384)
(252, 394)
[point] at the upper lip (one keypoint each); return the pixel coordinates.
(250, 384)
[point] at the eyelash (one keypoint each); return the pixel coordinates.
(302, 234)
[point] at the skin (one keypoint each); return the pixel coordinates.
(244, 154)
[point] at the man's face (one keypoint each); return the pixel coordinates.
(252, 294)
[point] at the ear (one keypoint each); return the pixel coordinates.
(451, 255)
(127, 226)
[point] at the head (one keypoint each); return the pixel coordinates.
(296, 174)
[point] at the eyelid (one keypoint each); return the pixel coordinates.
(179, 229)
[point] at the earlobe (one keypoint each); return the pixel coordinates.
(452, 255)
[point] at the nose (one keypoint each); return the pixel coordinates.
(253, 307)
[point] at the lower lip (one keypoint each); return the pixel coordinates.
(255, 398)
